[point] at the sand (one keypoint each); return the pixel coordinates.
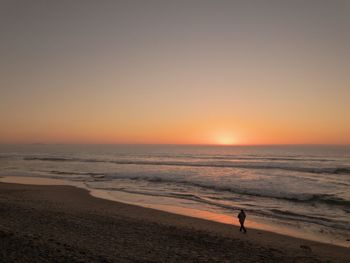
(66, 224)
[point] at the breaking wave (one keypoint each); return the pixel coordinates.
(215, 186)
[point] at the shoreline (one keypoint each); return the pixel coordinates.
(171, 206)
(23, 203)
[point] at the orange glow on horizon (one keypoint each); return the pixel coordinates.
(189, 134)
(225, 138)
(230, 73)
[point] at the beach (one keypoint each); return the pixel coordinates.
(66, 224)
(294, 191)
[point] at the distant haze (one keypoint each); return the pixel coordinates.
(188, 72)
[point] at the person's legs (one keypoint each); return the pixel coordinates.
(245, 230)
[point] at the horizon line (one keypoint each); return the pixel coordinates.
(181, 144)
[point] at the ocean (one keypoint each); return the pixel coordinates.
(303, 191)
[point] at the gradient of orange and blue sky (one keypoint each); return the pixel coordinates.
(189, 72)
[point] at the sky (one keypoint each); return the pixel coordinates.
(175, 72)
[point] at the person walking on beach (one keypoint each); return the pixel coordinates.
(241, 216)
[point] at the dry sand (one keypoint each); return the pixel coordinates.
(66, 224)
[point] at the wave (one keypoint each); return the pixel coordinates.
(317, 198)
(321, 220)
(209, 198)
(76, 173)
(215, 200)
(275, 213)
(53, 159)
(300, 197)
(316, 170)
(342, 171)
(235, 157)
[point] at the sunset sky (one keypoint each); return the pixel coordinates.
(187, 72)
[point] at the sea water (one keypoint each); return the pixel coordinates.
(298, 190)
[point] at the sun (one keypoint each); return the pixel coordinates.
(225, 139)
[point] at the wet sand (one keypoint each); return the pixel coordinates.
(67, 224)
